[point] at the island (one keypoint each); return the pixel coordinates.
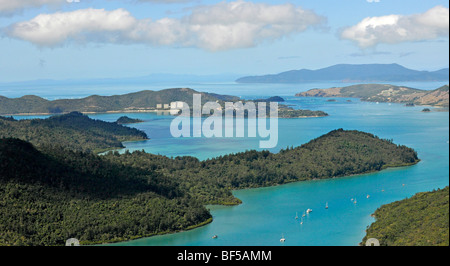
(361, 73)
(123, 120)
(421, 220)
(285, 111)
(385, 93)
(63, 189)
(142, 101)
(73, 130)
(289, 112)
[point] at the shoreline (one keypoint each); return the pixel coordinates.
(442, 108)
(105, 112)
(210, 220)
(129, 111)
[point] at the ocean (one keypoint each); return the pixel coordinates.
(267, 214)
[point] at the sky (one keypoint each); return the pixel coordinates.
(82, 39)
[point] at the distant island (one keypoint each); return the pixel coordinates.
(270, 99)
(54, 192)
(363, 73)
(142, 101)
(421, 220)
(123, 120)
(385, 93)
(285, 111)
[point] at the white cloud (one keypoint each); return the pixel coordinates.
(391, 29)
(222, 26)
(50, 30)
(12, 6)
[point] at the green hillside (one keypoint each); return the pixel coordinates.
(138, 101)
(74, 130)
(422, 220)
(50, 194)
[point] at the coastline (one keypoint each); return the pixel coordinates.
(239, 201)
(105, 112)
(208, 221)
(128, 112)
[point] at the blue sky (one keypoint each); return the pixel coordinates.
(65, 39)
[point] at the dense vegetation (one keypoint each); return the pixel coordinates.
(74, 130)
(297, 113)
(422, 220)
(338, 153)
(51, 194)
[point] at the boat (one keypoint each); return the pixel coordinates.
(368, 196)
(326, 205)
(354, 201)
(308, 210)
(282, 239)
(296, 215)
(214, 236)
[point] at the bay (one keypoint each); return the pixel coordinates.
(267, 214)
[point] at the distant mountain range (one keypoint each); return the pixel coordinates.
(351, 73)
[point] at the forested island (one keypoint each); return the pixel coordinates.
(55, 190)
(142, 101)
(123, 120)
(385, 93)
(74, 130)
(367, 73)
(422, 220)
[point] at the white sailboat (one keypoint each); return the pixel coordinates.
(282, 239)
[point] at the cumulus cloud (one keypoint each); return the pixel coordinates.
(222, 26)
(391, 29)
(79, 25)
(12, 6)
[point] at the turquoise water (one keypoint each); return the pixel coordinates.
(267, 214)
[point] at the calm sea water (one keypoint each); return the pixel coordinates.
(267, 214)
